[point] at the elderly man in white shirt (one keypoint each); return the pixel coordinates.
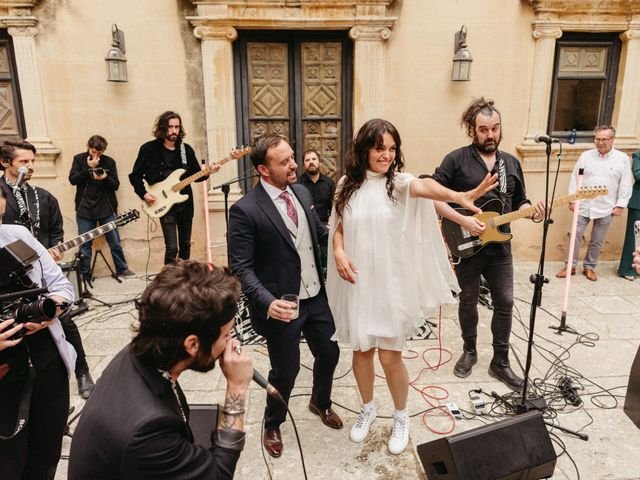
(604, 166)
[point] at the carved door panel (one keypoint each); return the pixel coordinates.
(10, 112)
(297, 85)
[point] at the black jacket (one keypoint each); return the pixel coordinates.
(94, 199)
(151, 166)
(131, 428)
(51, 230)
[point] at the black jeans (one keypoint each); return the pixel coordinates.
(316, 322)
(498, 272)
(176, 229)
(73, 337)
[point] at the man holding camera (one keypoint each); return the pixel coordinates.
(136, 425)
(96, 178)
(34, 372)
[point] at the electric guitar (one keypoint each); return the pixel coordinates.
(463, 244)
(126, 217)
(167, 192)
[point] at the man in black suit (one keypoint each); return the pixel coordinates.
(274, 236)
(136, 426)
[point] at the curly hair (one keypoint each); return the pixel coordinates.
(357, 161)
(185, 298)
(162, 124)
(478, 105)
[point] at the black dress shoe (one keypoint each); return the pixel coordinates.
(502, 372)
(85, 385)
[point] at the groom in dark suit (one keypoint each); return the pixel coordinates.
(274, 236)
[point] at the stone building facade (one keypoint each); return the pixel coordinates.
(315, 70)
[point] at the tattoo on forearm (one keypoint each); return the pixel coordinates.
(232, 411)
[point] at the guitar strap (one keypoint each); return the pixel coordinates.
(183, 155)
(502, 179)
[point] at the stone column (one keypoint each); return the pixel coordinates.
(32, 96)
(629, 106)
(368, 72)
(542, 79)
(219, 100)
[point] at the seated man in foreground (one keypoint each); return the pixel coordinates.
(135, 425)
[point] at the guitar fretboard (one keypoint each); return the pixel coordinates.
(192, 178)
(529, 211)
(85, 237)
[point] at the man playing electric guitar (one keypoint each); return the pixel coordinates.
(463, 169)
(156, 160)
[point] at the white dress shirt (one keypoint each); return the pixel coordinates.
(613, 171)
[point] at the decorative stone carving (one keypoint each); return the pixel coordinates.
(219, 33)
(594, 7)
(369, 33)
(546, 32)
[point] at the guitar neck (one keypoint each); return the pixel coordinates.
(85, 237)
(202, 173)
(529, 211)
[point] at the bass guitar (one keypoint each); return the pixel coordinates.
(167, 192)
(463, 244)
(126, 217)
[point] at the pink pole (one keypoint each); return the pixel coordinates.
(205, 201)
(572, 241)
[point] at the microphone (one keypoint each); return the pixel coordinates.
(22, 171)
(545, 139)
(271, 390)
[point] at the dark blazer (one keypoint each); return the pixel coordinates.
(262, 254)
(81, 177)
(634, 202)
(131, 428)
(51, 231)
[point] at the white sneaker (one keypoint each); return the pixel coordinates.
(360, 429)
(400, 434)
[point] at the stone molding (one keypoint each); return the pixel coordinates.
(590, 7)
(553, 17)
(215, 33)
(373, 33)
(22, 25)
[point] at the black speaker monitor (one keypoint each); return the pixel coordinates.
(632, 399)
(515, 449)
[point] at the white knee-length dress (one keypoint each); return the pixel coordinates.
(404, 272)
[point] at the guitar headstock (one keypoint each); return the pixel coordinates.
(591, 192)
(126, 217)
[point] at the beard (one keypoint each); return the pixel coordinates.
(488, 146)
(203, 361)
(313, 170)
(172, 137)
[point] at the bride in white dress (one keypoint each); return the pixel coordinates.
(390, 265)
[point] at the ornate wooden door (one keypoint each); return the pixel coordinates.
(298, 85)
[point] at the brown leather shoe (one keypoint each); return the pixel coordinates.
(328, 417)
(272, 441)
(563, 273)
(590, 274)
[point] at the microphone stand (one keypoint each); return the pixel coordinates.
(523, 405)
(226, 188)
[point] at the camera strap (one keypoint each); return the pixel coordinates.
(25, 403)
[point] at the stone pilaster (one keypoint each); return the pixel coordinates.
(23, 30)
(542, 80)
(368, 72)
(629, 106)
(219, 98)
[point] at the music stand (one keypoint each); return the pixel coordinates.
(99, 253)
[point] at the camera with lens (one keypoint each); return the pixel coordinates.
(24, 310)
(98, 171)
(20, 298)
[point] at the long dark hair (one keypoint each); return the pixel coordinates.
(162, 124)
(357, 162)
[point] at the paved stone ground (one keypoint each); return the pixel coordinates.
(606, 314)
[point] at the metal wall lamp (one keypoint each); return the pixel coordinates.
(115, 59)
(462, 58)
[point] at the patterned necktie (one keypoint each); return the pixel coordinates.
(291, 209)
